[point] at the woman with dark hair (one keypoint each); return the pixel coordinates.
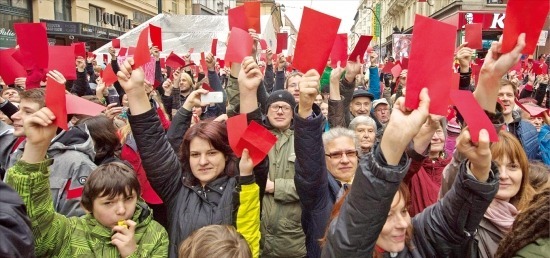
(206, 184)
(104, 135)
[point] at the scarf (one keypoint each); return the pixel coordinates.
(502, 214)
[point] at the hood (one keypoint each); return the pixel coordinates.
(5, 128)
(77, 138)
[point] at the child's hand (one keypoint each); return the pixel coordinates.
(123, 238)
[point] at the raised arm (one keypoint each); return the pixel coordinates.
(336, 107)
(269, 76)
(158, 158)
(280, 74)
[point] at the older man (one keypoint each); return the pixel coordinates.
(382, 110)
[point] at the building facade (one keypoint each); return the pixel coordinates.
(362, 22)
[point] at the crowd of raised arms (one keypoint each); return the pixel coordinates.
(281, 163)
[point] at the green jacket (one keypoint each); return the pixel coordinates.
(539, 248)
(282, 233)
(59, 236)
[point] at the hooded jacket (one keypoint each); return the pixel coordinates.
(16, 238)
(527, 135)
(59, 236)
(73, 154)
(7, 141)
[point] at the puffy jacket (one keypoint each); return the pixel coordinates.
(59, 236)
(527, 135)
(438, 229)
(374, 82)
(282, 234)
(315, 186)
(544, 141)
(16, 238)
(190, 207)
(73, 154)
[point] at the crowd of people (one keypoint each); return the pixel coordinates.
(353, 172)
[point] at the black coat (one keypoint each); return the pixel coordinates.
(16, 238)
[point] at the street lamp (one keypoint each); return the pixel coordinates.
(380, 26)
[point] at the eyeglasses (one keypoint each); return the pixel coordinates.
(340, 154)
(380, 110)
(275, 108)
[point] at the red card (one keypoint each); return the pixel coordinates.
(235, 129)
(258, 140)
(473, 114)
(473, 35)
(405, 63)
(263, 44)
(11, 69)
(387, 67)
(122, 51)
(534, 111)
(115, 43)
(131, 51)
(109, 77)
(475, 72)
(33, 43)
(27, 63)
(203, 63)
(454, 85)
(174, 61)
(207, 87)
(222, 63)
(252, 12)
(282, 41)
(78, 105)
(431, 69)
(214, 47)
(313, 48)
(239, 46)
(79, 49)
(524, 16)
(396, 70)
(237, 18)
(360, 48)
(61, 58)
(142, 55)
(163, 62)
(156, 36)
(339, 51)
(55, 101)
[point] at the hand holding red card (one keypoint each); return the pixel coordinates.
(214, 47)
(156, 36)
(142, 54)
(474, 116)
(524, 16)
(282, 41)
(239, 46)
(55, 101)
(109, 77)
(473, 35)
(79, 49)
(360, 48)
(339, 52)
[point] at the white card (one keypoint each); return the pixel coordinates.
(212, 97)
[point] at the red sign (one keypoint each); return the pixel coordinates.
(490, 21)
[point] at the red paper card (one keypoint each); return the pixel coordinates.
(258, 140)
(174, 61)
(313, 48)
(115, 43)
(122, 51)
(214, 47)
(473, 35)
(78, 105)
(473, 114)
(27, 63)
(55, 101)
(360, 48)
(396, 70)
(252, 12)
(475, 72)
(455, 85)
(79, 49)
(11, 69)
(61, 58)
(387, 67)
(33, 43)
(235, 129)
(207, 87)
(534, 111)
(282, 41)
(131, 51)
(237, 18)
(524, 16)
(339, 51)
(203, 63)
(405, 63)
(90, 54)
(163, 62)
(239, 46)
(431, 69)
(263, 44)
(142, 55)
(109, 77)
(105, 58)
(156, 36)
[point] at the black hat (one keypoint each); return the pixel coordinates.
(280, 95)
(363, 93)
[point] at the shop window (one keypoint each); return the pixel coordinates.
(62, 10)
(95, 15)
(23, 4)
(4, 2)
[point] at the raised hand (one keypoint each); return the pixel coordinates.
(250, 76)
(57, 76)
(155, 52)
(40, 130)
(464, 57)
(80, 64)
(113, 110)
(335, 76)
(309, 88)
(478, 154)
(353, 69)
(281, 63)
(123, 238)
(246, 166)
(269, 56)
(210, 62)
(131, 80)
(403, 126)
(112, 52)
(194, 99)
(167, 87)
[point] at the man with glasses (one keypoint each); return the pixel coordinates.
(382, 111)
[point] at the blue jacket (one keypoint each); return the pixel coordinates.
(528, 137)
(544, 141)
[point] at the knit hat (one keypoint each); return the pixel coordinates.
(280, 95)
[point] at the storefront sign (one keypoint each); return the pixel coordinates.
(7, 38)
(490, 21)
(57, 27)
(113, 20)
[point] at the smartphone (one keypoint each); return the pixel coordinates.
(212, 97)
(113, 99)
